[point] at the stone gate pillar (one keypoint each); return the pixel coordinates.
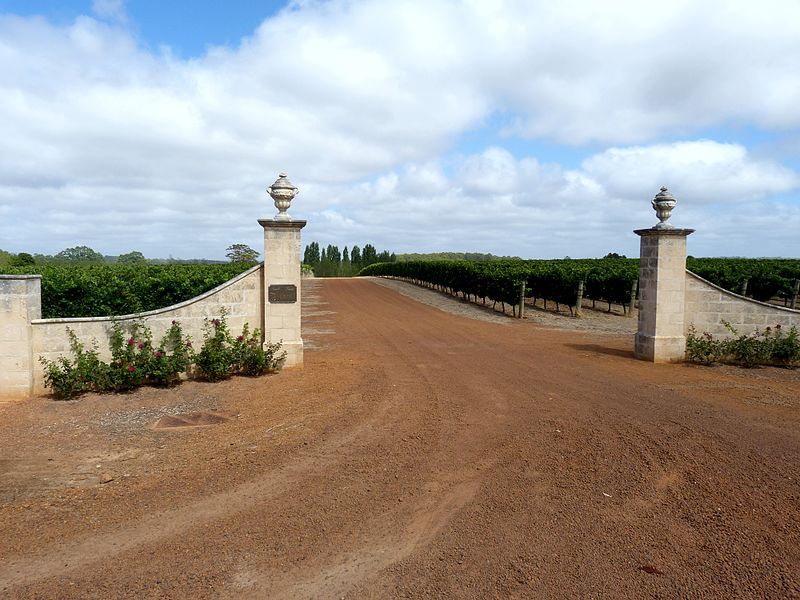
(662, 286)
(20, 303)
(282, 274)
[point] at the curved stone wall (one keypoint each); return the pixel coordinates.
(707, 305)
(242, 296)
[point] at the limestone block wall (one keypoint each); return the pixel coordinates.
(282, 319)
(662, 264)
(20, 303)
(242, 296)
(706, 305)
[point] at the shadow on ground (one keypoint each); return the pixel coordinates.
(603, 350)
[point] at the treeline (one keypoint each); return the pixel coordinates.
(84, 255)
(330, 262)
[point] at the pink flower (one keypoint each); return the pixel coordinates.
(158, 354)
(240, 338)
(216, 322)
(141, 345)
(131, 369)
(130, 342)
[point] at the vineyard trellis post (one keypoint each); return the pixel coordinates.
(282, 273)
(579, 298)
(795, 293)
(634, 290)
(662, 286)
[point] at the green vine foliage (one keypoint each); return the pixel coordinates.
(500, 280)
(773, 346)
(98, 290)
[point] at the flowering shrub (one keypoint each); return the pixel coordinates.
(67, 377)
(703, 348)
(172, 357)
(136, 360)
(772, 346)
(222, 355)
(215, 359)
(252, 358)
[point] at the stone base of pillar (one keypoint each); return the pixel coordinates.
(294, 353)
(660, 348)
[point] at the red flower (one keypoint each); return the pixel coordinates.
(240, 338)
(769, 328)
(141, 345)
(778, 326)
(130, 342)
(131, 368)
(158, 354)
(216, 322)
(174, 322)
(188, 344)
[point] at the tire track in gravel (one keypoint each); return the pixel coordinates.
(149, 530)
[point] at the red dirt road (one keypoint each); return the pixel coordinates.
(417, 454)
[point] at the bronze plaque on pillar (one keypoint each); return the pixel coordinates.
(282, 294)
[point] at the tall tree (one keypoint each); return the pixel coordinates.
(131, 257)
(355, 255)
(241, 253)
(23, 259)
(346, 268)
(311, 255)
(79, 254)
(334, 255)
(369, 255)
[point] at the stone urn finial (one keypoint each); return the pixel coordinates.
(663, 204)
(282, 193)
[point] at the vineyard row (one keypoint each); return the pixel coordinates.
(568, 281)
(116, 289)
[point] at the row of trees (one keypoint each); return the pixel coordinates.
(84, 255)
(74, 255)
(330, 262)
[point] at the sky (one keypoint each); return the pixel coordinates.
(531, 128)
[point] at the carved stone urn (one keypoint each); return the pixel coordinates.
(663, 204)
(282, 193)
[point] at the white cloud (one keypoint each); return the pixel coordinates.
(107, 143)
(703, 170)
(496, 203)
(113, 10)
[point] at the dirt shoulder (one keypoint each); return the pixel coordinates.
(417, 454)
